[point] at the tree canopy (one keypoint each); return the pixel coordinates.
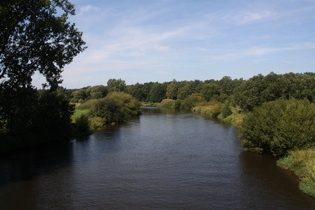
(35, 35)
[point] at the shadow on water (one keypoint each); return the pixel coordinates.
(260, 175)
(40, 161)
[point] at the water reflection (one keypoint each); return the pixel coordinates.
(162, 160)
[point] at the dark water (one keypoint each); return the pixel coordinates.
(162, 160)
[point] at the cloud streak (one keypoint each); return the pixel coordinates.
(148, 37)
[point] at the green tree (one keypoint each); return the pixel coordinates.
(184, 91)
(171, 90)
(79, 95)
(191, 101)
(210, 91)
(226, 110)
(157, 93)
(115, 107)
(35, 35)
(95, 92)
(279, 126)
(116, 85)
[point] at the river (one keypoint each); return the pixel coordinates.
(161, 160)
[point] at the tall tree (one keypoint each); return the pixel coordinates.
(172, 89)
(35, 35)
(116, 85)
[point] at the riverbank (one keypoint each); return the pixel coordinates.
(301, 162)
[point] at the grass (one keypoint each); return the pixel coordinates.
(302, 163)
(235, 119)
(213, 109)
(77, 113)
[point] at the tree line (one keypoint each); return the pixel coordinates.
(244, 93)
(279, 108)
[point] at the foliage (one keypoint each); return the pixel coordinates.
(191, 101)
(52, 118)
(39, 117)
(87, 93)
(302, 162)
(116, 107)
(279, 126)
(168, 103)
(210, 109)
(36, 36)
(211, 91)
(260, 89)
(157, 93)
(95, 92)
(130, 105)
(226, 110)
(184, 91)
(171, 90)
(81, 126)
(116, 85)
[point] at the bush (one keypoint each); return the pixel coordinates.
(191, 101)
(81, 126)
(168, 103)
(114, 108)
(209, 109)
(279, 126)
(226, 110)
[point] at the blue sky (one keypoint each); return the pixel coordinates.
(161, 40)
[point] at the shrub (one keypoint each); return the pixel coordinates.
(81, 126)
(226, 110)
(209, 109)
(279, 126)
(114, 108)
(191, 101)
(168, 103)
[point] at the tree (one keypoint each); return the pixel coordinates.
(191, 101)
(279, 126)
(171, 90)
(184, 91)
(210, 91)
(157, 93)
(116, 85)
(36, 36)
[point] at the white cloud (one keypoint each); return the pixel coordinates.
(87, 8)
(232, 54)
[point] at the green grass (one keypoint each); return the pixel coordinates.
(77, 113)
(302, 162)
(235, 119)
(213, 109)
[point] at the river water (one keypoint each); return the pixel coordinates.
(161, 160)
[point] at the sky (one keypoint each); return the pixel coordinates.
(160, 40)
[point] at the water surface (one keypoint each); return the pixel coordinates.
(161, 160)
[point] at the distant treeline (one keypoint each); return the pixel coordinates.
(47, 115)
(277, 109)
(244, 93)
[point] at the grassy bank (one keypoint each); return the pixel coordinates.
(302, 162)
(214, 110)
